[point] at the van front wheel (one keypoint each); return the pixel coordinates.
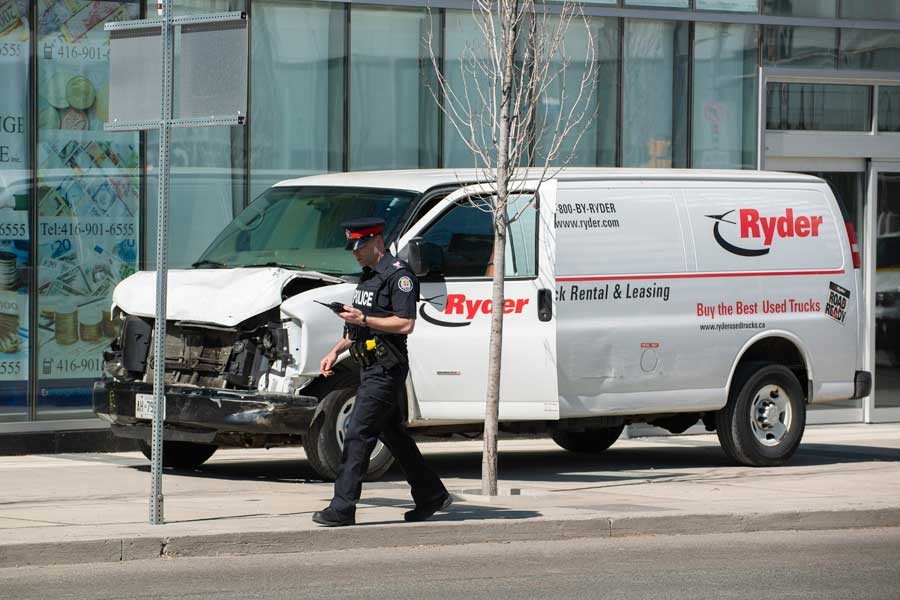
(591, 440)
(763, 422)
(324, 442)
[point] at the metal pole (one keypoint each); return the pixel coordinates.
(761, 120)
(870, 233)
(162, 226)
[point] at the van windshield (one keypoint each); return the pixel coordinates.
(300, 228)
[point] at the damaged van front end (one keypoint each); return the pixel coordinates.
(244, 336)
(233, 363)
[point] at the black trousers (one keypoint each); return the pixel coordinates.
(377, 415)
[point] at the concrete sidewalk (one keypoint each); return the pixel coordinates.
(93, 507)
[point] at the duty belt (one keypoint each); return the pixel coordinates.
(363, 352)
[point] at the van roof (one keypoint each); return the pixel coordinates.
(421, 180)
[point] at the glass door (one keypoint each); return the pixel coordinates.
(884, 197)
(847, 178)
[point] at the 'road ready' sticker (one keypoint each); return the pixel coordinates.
(838, 297)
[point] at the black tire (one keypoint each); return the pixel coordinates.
(593, 441)
(324, 442)
(181, 455)
(763, 422)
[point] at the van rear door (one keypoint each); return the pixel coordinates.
(449, 348)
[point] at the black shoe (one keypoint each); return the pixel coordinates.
(332, 518)
(421, 513)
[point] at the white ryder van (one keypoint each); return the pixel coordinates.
(665, 297)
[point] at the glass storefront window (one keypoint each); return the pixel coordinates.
(870, 49)
(597, 146)
(876, 10)
(88, 197)
(818, 107)
(297, 91)
(729, 5)
(824, 9)
(393, 115)
(887, 292)
(655, 94)
(889, 108)
(462, 42)
(725, 83)
(207, 177)
(660, 3)
(207, 180)
(799, 47)
(848, 188)
(15, 199)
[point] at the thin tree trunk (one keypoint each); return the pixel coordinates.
(492, 404)
(509, 10)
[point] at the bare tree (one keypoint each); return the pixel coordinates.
(521, 112)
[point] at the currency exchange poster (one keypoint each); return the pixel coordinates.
(15, 180)
(88, 191)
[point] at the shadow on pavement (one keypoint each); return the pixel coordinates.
(262, 469)
(458, 511)
(615, 465)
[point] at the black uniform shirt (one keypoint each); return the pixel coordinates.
(390, 289)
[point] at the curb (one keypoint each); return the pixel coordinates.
(432, 534)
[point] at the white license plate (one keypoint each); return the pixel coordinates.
(143, 406)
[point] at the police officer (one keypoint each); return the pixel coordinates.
(382, 315)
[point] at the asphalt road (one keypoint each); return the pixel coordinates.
(858, 564)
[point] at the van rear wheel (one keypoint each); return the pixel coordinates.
(764, 420)
(591, 440)
(324, 441)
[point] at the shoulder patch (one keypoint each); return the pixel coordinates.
(405, 284)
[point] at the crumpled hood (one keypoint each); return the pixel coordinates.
(219, 296)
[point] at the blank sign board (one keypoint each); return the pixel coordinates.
(135, 74)
(213, 70)
(210, 71)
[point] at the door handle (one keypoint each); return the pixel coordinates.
(545, 304)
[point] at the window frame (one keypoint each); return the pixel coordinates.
(456, 203)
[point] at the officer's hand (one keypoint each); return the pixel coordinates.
(352, 315)
(326, 366)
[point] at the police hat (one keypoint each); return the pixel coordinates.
(360, 231)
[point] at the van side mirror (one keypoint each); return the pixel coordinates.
(412, 254)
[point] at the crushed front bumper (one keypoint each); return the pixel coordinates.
(199, 413)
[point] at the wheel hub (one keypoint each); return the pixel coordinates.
(342, 425)
(768, 415)
(771, 415)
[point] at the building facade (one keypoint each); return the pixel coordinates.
(808, 86)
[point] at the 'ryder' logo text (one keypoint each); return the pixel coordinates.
(469, 308)
(752, 225)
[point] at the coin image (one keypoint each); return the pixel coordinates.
(66, 320)
(10, 20)
(9, 274)
(80, 92)
(74, 119)
(9, 343)
(48, 118)
(89, 329)
(55, 90)
(9, 337)
(101, 104)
